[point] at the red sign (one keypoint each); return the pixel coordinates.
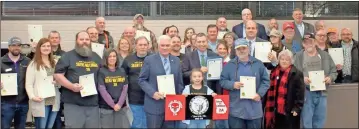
(175, 108)
(220, 107)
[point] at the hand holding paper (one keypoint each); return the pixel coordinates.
(317, 79)
(214, 68)
(166, 85)
(248, 91)
(46, 88)
(88, 83)
(9, 84)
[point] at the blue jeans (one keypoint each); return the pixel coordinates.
(235, 123)
(197, 124)
(314, 111)
(221, 124)
(18, 112)
(139, 116)
(47, 121)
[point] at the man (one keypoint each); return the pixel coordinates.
(251, 31)
(272, 24)
(171, 31)
(321, 40)
(240, 30)
(244, 113)
(333, 38)
(212, 33)
(198, 59)
(161, 63)
(176, 48)
(350, 48)
(132, 65)
(221, 24)
(313, 59)
(80, 112)
(104, 36)
(129, 33)
(14, 107)
(55, 38)
(300, 27)
(288, 31)
(319, 25)
(93, 32)
(138, 24)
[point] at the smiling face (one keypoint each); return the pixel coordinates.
(45, 48)
(212, 33)
(124, 45)
(112, 59)
(189, 33)
(197, 77)
(298, 16)
(221, 23)
(172, 31)
(202, 43)
(142, 46)
(176, 44)
(251, 29)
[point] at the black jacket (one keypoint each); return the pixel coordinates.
(8, 66)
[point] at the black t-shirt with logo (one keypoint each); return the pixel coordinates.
(132, 65)
(202, 91)
(114, 81)
(73, 66)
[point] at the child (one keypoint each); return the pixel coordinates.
(197, 88)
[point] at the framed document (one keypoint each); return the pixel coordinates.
(140, 33)
(183, 49)
(9, 81)
(199, 107)
(262, 49)
(47, 88)
(221, 34)
(337, 55)
(214, 68)
(88, 83)
(248, 91)
(317, 80)
(98, 48)
(166, 84)
(34, 32)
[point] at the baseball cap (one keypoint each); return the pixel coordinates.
(332, 30)
(287, 25)
(275, 33)
(240, 43)
(308, 36)
(14, 40)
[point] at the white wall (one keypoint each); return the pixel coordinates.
(68, 28)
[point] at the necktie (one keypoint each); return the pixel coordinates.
(166, 66)
(203, 61)
(250, 48)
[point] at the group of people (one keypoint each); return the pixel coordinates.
(126, 75)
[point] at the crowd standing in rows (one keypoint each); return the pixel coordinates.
(126, 75)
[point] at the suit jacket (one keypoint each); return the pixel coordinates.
(233, 51)
(192, 61)
(238, 30)
(308, 28)
(147, 80)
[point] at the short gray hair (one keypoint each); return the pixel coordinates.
(164, 37)
(286, 53)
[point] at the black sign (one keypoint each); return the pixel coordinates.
(199, 107)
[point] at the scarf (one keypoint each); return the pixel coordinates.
(272, 94)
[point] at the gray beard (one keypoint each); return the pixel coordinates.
(26, 51)
(84, 51)
(139, 26)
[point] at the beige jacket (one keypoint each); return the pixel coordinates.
(33, 77)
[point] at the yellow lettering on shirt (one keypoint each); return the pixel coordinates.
(88, 65)
(137, 64)
(115, 79)
(114, 84)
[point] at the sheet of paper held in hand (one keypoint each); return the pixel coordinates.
(214, 68)
(9, 81)
(88, 84)
(140, 33)
(337, 55)
(47, 88)
(166, 84)
(248, 91)
(98, 48)
(34, 32)
(317, 80)
(262, 50)
(221, 34)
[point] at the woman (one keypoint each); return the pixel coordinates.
(285, 96)
(41, 67)
(171, 31)
(277, 47)
(187, 36)
(229, 38)
(222, 51)
(124, 48)
(190, 48)
(113, 84)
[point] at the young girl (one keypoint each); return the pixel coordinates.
(197, 88)
(113, 84)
